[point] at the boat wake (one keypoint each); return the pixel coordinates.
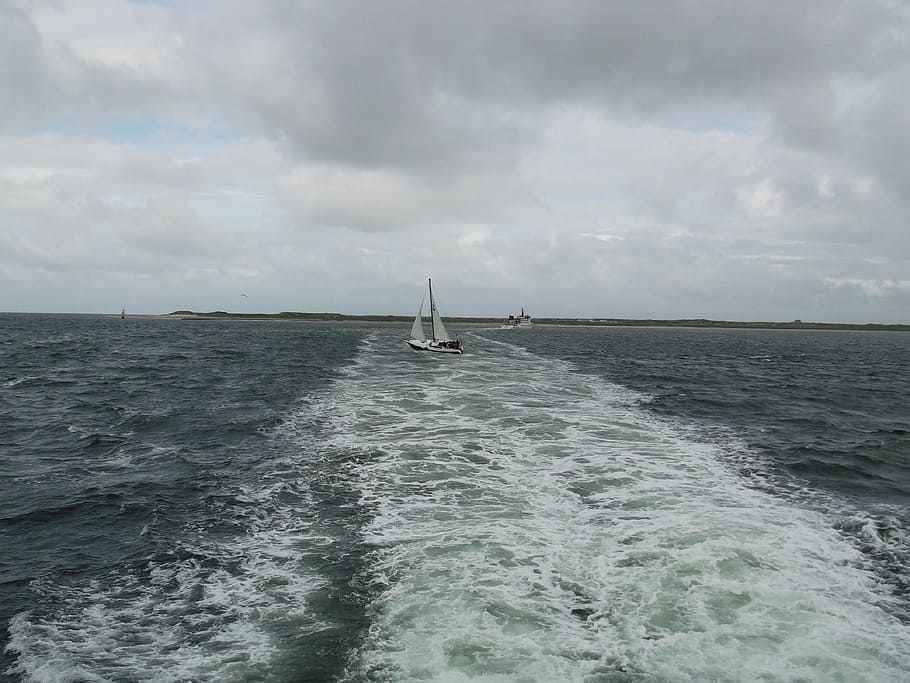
(498, 516)
(533, 523)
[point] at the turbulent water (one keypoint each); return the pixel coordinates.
(246, 501)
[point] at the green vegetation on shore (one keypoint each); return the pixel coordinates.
(614, 322)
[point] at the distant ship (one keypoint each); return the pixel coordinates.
(523, 320)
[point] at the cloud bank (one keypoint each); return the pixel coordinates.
(661, 160)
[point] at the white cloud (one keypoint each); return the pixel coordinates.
(761, 198)
(369, 199)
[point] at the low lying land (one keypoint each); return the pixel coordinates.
(614, 322)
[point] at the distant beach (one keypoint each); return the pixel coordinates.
(608, 322)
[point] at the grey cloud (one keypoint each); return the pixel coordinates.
(449, 86)
(21, 68)
(387, 74)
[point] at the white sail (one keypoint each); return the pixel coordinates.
(417, 327)
(440, 332)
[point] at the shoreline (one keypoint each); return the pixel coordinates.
(596, 322)
(287, 316)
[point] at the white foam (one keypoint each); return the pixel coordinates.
(18, 380)
(526, 523)
(534, 524)
(210, 612)
(180, 621)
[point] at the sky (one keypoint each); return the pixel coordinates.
(663, 159)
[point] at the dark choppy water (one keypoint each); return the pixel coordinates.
(230, 501)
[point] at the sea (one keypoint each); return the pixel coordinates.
(206, 500)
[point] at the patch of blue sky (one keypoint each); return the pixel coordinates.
(146, 131)
(180, 4)
(13, 223)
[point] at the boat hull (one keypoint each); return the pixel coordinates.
(435, 346)
(444, 347)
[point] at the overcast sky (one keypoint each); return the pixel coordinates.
(659, 159)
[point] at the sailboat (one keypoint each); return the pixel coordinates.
(439, 340)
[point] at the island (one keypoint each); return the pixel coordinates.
(610, 322)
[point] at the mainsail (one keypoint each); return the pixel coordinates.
(439, 330)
